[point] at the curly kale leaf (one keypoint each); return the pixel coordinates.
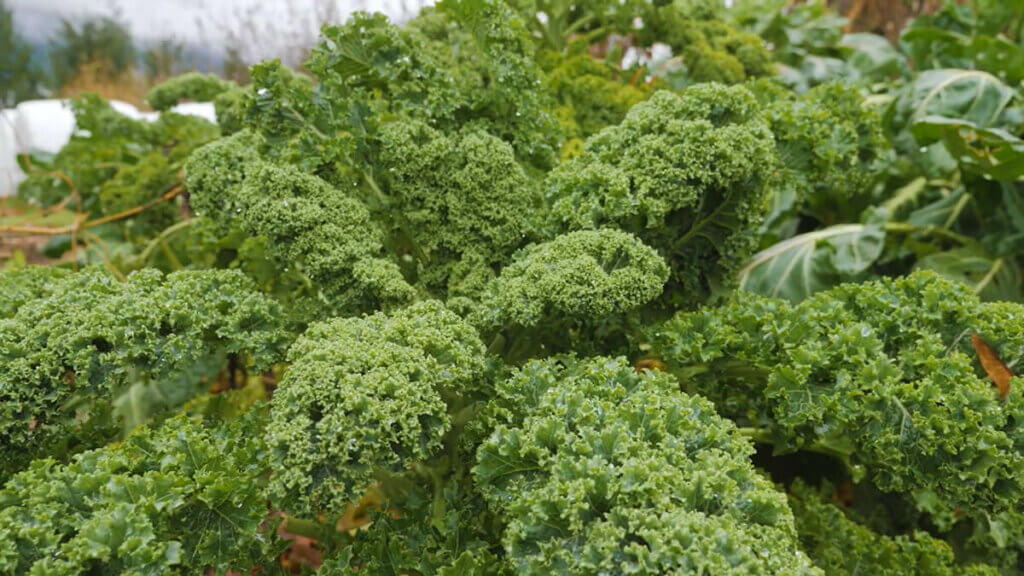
(459, 198)
(880, 374)
(20, 286)
(93, 345)
(687, 174)
(180, 499)
(189, 86)
(453, 69)
(599, 469)
(365, 395)
(574, 292)
(585, 275)
(839, 545)
(591, 95)
(425, 528)
(711, 48)
(214, 174)
(830, 144)
(321, 231)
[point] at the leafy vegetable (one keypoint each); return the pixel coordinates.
(180, 498)
(533, 287)
(76, 358)
(190, 86)
(685, 174)
(368, 394)
(600, 469)
(881, 375)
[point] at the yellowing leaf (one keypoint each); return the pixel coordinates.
(994, 367)
(650, 364)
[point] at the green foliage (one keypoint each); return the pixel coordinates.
(830, 143)
(968, 36)
(22, 285)
(308, 224)
(190, 86)
(137, 184)
(98, 41)
(432, 531)
(451, 200)
(20, 77)
(880, 375)
(90, 355)
(806, 40)
(163, 60)
(230, 108)
(173, 500)
(686, 174)
(593, 95)
(568, 24)
(814, 261)
(464, 66)
(945, 198)
(711, 48)
(114, 163)
(368, 395)
(214, 175)
(839, 545)
(584, 275)
(571, 293)
(602, 470)
(473, 219)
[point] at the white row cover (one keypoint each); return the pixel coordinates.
(47, 125)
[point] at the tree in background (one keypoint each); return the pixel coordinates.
(20, 78)
(235, 67)
(101, 46)
(163, 60)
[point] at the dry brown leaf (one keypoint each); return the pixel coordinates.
(993, 366)
(301, 551)
(843, 494)
(650, 364)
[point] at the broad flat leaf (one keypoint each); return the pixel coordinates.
(1013, 201)
(871, 56)
(942, 212)
(972, 95)
(821, 69)
(994, 15)
(991, 278)
(994, 367)
(999, 56)
(933, 47)
(992, 152)
(811, 262)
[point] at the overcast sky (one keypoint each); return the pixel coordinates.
(195, 21)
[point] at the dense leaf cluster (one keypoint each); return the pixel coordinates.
(881, 374)
(687, 174)
(840, 545)
(175, 500)
(534, 287)
(369, 394)
(86, 355)
(602, 470)
(191, 86)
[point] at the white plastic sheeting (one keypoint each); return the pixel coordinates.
(43, 125)
(202, 109)
(10, 174)
(46, 126)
